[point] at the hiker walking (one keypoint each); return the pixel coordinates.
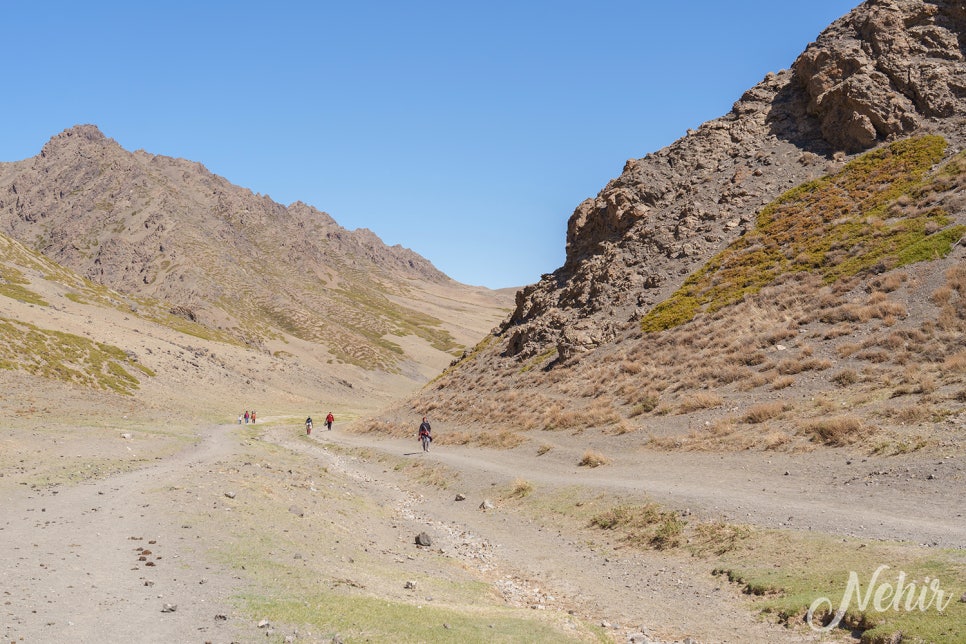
(246, 417)
(425, 434)
(308, 425)
(329, 420)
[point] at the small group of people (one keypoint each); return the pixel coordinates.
(247, 416)
(329, 419)
(424, 435)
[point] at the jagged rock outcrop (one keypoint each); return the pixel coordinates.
(882, 70)
(887, 69)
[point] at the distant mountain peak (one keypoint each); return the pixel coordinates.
(167, 228)
(73, 136)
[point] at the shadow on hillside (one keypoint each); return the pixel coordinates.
(789, 120)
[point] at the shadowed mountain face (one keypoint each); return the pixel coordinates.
(229, 259)
(731, 260)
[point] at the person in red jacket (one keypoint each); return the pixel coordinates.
(425, 434)
(329, 420)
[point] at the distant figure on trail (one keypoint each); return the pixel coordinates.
(425, 434)
(329, 420)
(246, 416)
(239, 419)
(253, 416)
(308, 425)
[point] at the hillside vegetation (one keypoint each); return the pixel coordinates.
(875, 214)
(837, 320)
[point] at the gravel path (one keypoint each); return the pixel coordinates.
(116, 559)
(110, 561)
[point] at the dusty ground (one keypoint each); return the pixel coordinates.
(244, 516)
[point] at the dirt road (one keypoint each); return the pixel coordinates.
(111, 560)
(116, 559)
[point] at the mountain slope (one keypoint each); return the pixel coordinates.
(73, 349)
(666, 214)
(705, 304)
(236, 262)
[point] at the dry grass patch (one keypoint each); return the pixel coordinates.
(782, 382)
(700, 400)
(643, 526)
(764, 411)
(504, 439)
(846, 378)
(776, 440)
(753, 382)
(722, 434)
(790, 366)
(593, 458)
(651, 526)
(837, 431)
(956, 362)
(900, 446)
(620, 428)
(643, 402)
(435, 474)
(889, 282)
(521, 488)
(560, 416)
(717, 538)
(453, 438)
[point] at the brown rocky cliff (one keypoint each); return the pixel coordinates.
(887, 69)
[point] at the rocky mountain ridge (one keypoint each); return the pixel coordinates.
(236, 262)
(887, 69)
(759, 280)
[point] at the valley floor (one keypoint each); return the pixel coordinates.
(264, 534)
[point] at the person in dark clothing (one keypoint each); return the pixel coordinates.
(425, 434)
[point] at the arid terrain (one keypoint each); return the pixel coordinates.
(743, 392)
(250, 531)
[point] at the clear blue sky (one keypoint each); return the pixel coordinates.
(467, 131)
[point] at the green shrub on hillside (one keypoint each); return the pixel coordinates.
(867, 216)
(67, 357)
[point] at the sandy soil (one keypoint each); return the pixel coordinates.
(71, 565)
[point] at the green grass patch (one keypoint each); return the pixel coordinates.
(787, 572)
(13, 285)
(355, 617)
(343, 584)
(67, 357)
(21, 293)
(837, 227)
(643, 525)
